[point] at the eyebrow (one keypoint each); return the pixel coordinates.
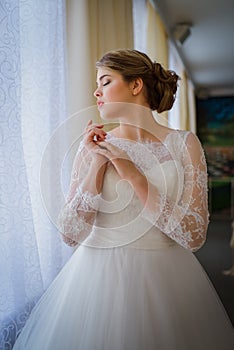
(103, 76)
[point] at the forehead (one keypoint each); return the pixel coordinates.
(103, 72)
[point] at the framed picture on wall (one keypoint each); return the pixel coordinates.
(215, 124)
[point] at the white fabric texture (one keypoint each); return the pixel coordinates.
(32, 106)
(182, 208)
(134, 283)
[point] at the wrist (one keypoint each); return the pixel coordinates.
(137, 179)
(98, 161)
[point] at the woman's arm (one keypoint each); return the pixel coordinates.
(184, 220)
(78, 214)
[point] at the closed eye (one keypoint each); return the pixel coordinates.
(108, 82)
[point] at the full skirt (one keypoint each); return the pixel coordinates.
(129, 299)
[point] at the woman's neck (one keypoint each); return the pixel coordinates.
(138, 128)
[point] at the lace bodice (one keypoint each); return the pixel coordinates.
(177, 183)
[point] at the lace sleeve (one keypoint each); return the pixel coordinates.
(76, 218)
(186, 219)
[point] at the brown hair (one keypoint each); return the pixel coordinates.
(160, 84)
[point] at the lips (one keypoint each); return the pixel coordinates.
(100, 104)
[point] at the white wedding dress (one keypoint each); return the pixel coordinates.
(134, 283)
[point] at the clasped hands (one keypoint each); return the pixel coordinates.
(95, 142)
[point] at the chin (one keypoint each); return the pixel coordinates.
(109, 111)
(115, 110)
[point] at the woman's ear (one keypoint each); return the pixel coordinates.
(137, 86)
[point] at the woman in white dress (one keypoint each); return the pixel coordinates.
(137, 210)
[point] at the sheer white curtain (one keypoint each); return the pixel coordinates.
(81, 68)
(183, 113)
(140, 24)
(150, 37)
(32, 107)
(175, 63)
(93, 28)
(192, 107)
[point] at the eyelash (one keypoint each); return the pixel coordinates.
(108, 82)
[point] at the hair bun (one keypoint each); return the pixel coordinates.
(165, 83)
(156, 67)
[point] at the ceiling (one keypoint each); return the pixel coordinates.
(208, 52)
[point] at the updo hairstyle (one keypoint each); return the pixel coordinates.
(160, 85)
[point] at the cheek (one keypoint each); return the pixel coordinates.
(117, 93)
(113, 94)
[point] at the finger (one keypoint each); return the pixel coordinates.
(101, 145)
(102, 152)
(106, 145)
(94, 135)
(93, 127)
(90, 122)
(113, 151)
(98, 132)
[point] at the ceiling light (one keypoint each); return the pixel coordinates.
(181, 32)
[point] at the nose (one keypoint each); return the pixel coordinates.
(97, 93)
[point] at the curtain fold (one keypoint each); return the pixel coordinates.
(153, 37)
(191, 107)
(79, 60)
(140, 24)
(111, 28)
(183, 114)
(33, 105)
(157, 46)
(93, 28)
(157, 41)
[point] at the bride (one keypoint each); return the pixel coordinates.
(136, 210)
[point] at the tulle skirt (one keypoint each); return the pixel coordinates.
(127, 298)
